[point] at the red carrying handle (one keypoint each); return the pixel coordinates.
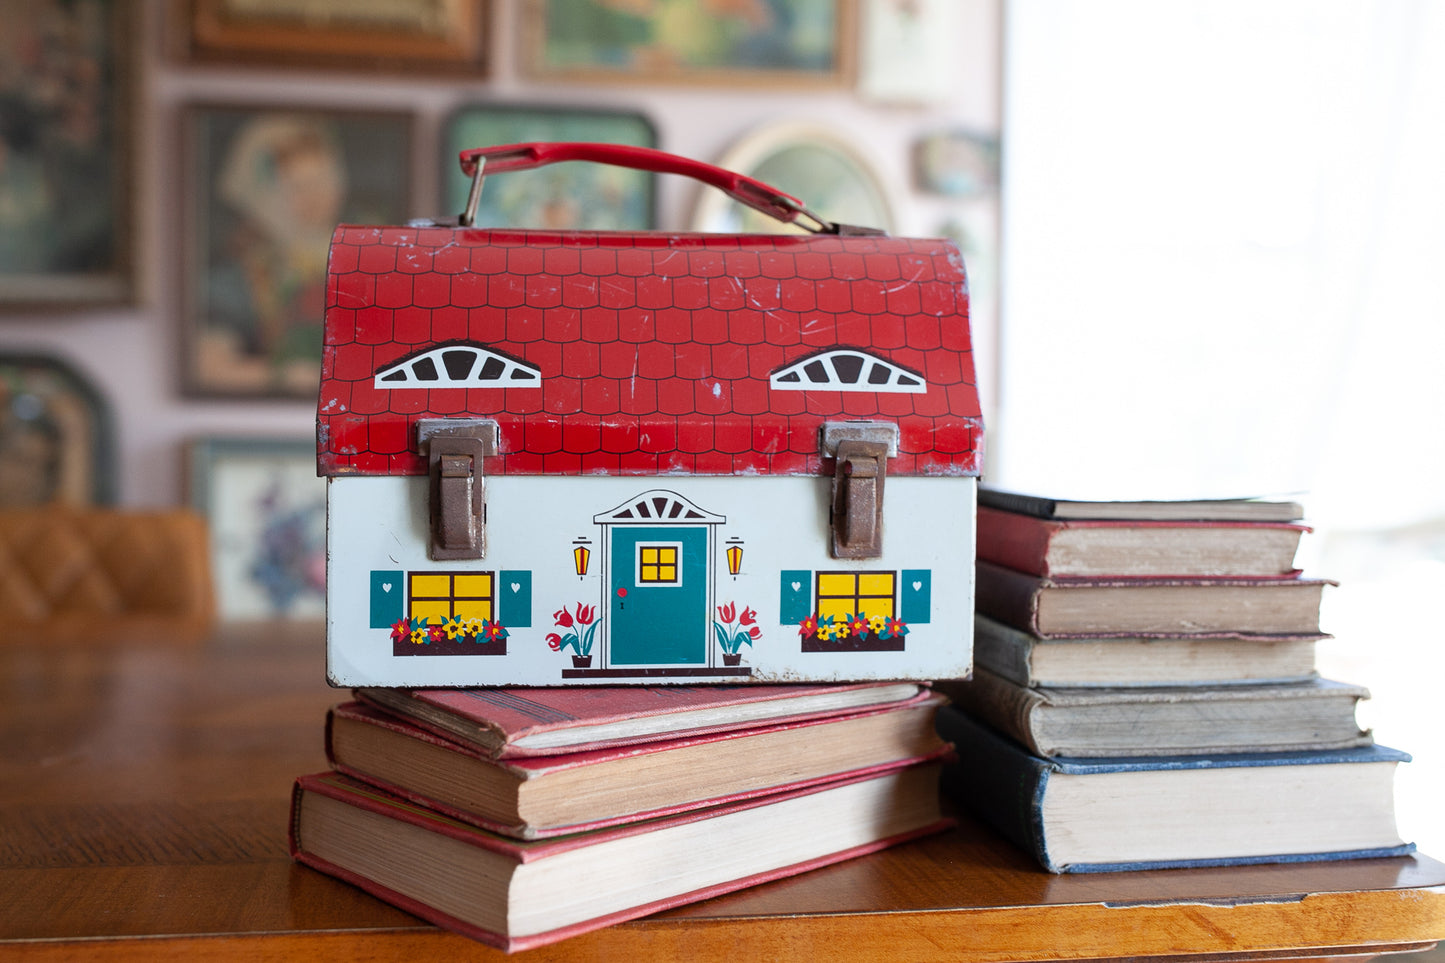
(746, 190)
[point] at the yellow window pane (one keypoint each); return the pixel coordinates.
(649, 556)
(434, 612)
(667, 573)
(836, 583)
(875, 583)
(647, 573)
(872, 607)
(474, 610)
(432, 586)
(667, 556)
(837, 608)
(474, 586)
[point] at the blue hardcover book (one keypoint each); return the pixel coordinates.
(1105, 815)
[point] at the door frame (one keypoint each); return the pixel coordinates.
(658, 508)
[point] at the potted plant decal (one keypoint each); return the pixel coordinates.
(582, 628)
(734, 629)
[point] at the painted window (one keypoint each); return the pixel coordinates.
(659, 563)
(437, 596)
(841, 594)
(458, 366)
(846, 369)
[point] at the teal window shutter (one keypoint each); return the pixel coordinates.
(388, 598)
(514, 599)
(916, 592)
(795, 596)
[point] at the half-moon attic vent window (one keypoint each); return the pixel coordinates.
(459, 366)
(846, 369)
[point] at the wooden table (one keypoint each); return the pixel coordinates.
(143, 807)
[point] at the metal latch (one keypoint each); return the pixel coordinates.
(861, 450)
(457, 502)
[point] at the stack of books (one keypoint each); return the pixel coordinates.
(1145, 693)
(522, 816)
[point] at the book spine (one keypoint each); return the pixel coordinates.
(1007, 596)
(1019, 542)
(1004, 705)
(1004, 651)
(1035, 505)
(997, 781)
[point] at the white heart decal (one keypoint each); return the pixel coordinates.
(516, 586)
(386, 586)
(797, 586)
(917, 586)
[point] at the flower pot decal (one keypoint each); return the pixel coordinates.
(580, 628)
(734, 629)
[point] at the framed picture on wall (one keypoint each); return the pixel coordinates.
(558, 196)
(764, 42)
(266, 510)
(809, 161)
(263, 189)
(66, 197)
(956, 163)
(428, 35)
(57, 441)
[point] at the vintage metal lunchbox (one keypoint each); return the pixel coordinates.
(606, 457)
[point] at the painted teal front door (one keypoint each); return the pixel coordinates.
(659, 595)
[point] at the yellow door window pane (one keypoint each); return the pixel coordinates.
(649, 556)
(836, 583)
(474, 609)
(667, 573)
(434, 612)
(473, 586)
(876, 583)
(431, 586)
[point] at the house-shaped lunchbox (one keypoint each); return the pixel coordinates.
(610, 457)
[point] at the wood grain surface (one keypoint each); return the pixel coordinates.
(143, 804)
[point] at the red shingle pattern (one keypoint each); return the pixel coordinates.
(655, 349)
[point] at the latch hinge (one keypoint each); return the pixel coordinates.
(457, 502)
(861, 450)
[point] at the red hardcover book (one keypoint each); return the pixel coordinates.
(1181, 549)
(535, 797)
(1150, 607)
(518, 895)
(511, 722)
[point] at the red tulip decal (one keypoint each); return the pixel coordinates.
(734, 630)
(579, 641)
